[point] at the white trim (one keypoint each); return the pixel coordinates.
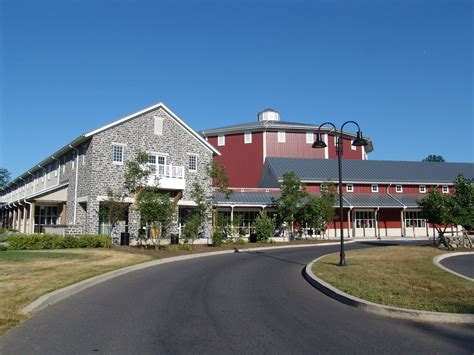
(264, 145)
(326, 148)
(247, 137)
(351, 188)
(189, 156)
(353, 147)
(422, 189)
(401, 189)
(309, 137)
(443, 188)
(150, 108)
(365, 182)
(117, 162)
(374, 188)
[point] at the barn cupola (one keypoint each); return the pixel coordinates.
(268, 115)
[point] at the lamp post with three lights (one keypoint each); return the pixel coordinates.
(358, 142)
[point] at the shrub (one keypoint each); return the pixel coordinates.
(172, 247)
(56, 241)
(185, 247)
(240, 241)
(217, 237)
(264, 226)
(3, 247)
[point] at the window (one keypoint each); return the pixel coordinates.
(49, 172)
(281, 137)
(335, 141)
(349, 188)
(422, 189)
(158, 126)
(364, 219)
(445, 189)
(399, 188)
(117, 154)
(353, 147)
(413, 219)
(73, 161)
(157, 163)
(375, 188)
(42, 176)
(192, 163)
(56, 168)
(248, 137)
(37, 178)
(221, 140)
(309, 137)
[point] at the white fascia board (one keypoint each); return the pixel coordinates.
(376, 182)
(150, 108)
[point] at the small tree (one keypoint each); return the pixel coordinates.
(219, 176)
(264, 226)
(290, 198)
(434, 158)
(463, 203)
(113, 210)
(203, 205)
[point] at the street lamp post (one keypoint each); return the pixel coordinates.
(319, 143)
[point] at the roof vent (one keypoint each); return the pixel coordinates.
(268, 115)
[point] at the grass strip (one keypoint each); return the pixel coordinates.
(399, 276)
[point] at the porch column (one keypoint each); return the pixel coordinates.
(377, 232)
(402, 226)
(32, 218)
(25, 219)
(349, 223)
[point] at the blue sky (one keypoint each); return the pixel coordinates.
(402, 69)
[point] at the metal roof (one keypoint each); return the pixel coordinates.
(258, 199)
(369, 171)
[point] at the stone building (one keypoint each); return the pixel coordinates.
(63, 193)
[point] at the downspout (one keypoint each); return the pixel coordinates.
(75, 184)
(59, 168)
(34, 182)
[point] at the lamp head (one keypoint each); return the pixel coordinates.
(360, 141)
(319, 143)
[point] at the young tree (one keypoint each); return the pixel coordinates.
(264, 226)
(219, 176)
(464, 203)
(113, 210)
(203, 206)
(319, 211)
(4, 177)
(434, 158)
(290, 198)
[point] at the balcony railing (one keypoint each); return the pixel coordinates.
(170, 177)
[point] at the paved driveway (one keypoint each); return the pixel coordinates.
(256, 302)
(462, 264)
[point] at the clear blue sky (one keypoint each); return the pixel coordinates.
(402, 69)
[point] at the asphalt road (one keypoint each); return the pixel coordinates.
(462, 264)
(253, 303)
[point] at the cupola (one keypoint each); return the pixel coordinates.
(268, 115)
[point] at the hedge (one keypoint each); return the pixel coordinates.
(55, 241)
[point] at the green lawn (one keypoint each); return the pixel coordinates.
(27, 275)
(400, 276)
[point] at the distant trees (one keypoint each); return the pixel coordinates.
(434, 158)
(4, 177)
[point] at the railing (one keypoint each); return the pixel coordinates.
(169, 171)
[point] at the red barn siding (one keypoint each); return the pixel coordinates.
(295, 146)
(243, 162)
(389, 218)
(347, 151)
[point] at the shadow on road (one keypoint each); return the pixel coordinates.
(259, 253)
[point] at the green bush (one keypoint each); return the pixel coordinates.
(56, 241)
(240, 241)
(217, 237)
(3, 247)
(185, 247)
(264, 226)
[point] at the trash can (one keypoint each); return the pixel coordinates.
(124, 238)
(253, 238)
(174, 238)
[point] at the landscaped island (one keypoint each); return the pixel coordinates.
(399, 276)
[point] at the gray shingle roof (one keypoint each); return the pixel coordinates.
(246, 198)
(370, 170)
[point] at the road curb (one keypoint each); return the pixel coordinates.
(388, 311)
(62, 293)
(437, 259)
